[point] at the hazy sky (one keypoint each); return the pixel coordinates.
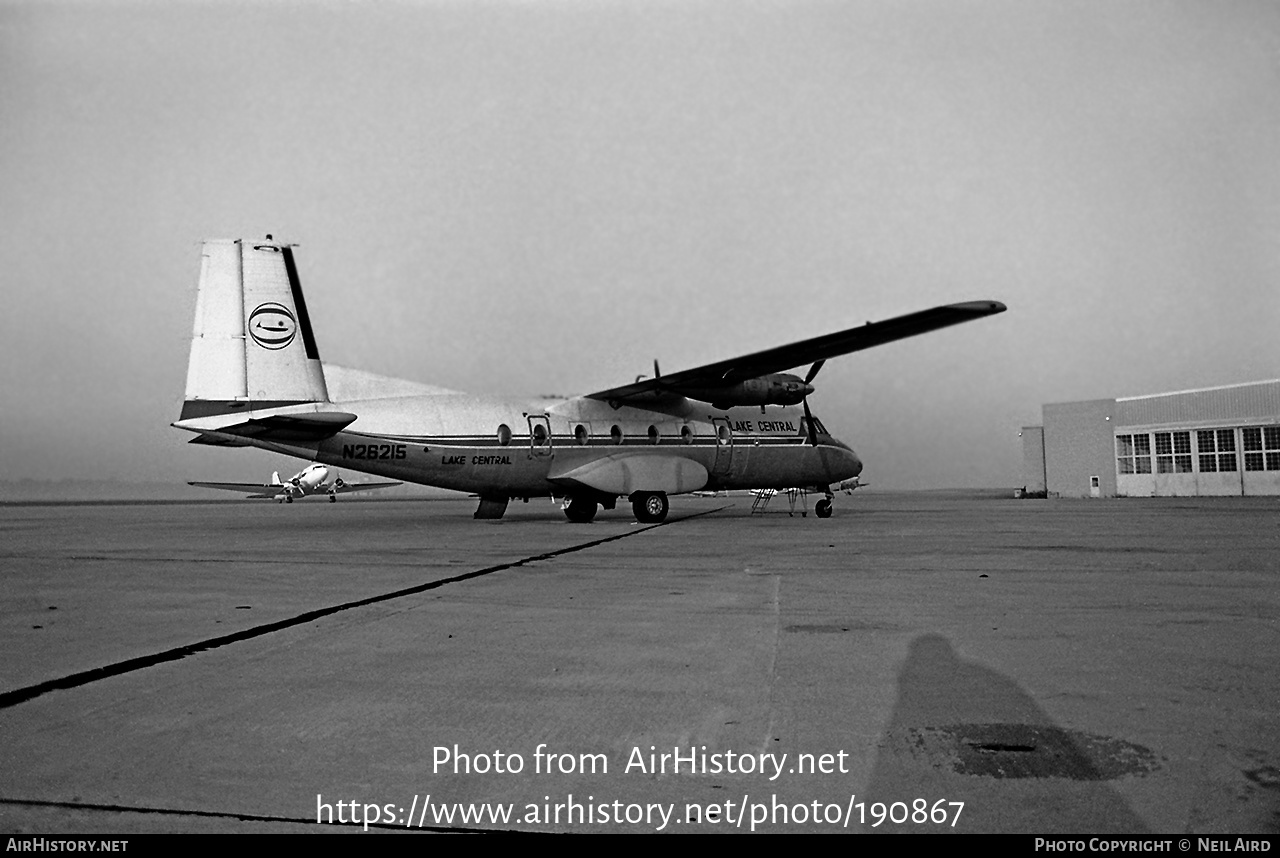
(542, 197)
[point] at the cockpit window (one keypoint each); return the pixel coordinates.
(817, 427)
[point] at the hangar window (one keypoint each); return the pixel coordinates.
(1142, 453)
(1124, 454)
(1133, 454)
(1262, 448)
(1217, 449)
(1226, 449)
(1173, 452)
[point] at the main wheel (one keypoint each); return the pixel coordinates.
(823, 508)
(650, 507)
(580, 510)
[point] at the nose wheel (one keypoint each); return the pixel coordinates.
(822, 508)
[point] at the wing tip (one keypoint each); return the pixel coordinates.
(983, 308)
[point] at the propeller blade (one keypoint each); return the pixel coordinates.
(808, 422)
(813, 370)
(657, 373)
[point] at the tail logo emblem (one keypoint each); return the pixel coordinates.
(272, 326)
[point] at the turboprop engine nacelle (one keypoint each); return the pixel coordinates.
(774, 389)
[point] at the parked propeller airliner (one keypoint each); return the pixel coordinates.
(255, 379)
(311, 480)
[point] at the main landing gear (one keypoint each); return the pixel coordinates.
(581, 509)
(650, 507)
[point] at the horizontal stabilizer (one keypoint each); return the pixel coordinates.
(285, 428)
(294, 427)
(215, 441)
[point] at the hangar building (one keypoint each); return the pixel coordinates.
(1213, 441)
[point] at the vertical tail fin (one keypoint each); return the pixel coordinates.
(252, 345)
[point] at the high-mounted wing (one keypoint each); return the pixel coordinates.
(748, 379)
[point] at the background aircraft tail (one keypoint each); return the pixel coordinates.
(252, 345)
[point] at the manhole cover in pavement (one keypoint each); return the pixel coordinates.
(1028, 751)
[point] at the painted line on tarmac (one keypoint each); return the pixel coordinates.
(84, 677)
(241, 817)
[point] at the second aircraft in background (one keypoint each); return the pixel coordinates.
(311, 480)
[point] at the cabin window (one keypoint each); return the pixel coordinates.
(654, 437)
(686, 434)
(539, 435)
(615, 433)
(723, 435)
(504, 435)
(581, 435)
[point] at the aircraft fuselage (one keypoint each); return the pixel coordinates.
(497, 447)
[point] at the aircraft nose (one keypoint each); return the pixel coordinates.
(843, 463)
(854, 463)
